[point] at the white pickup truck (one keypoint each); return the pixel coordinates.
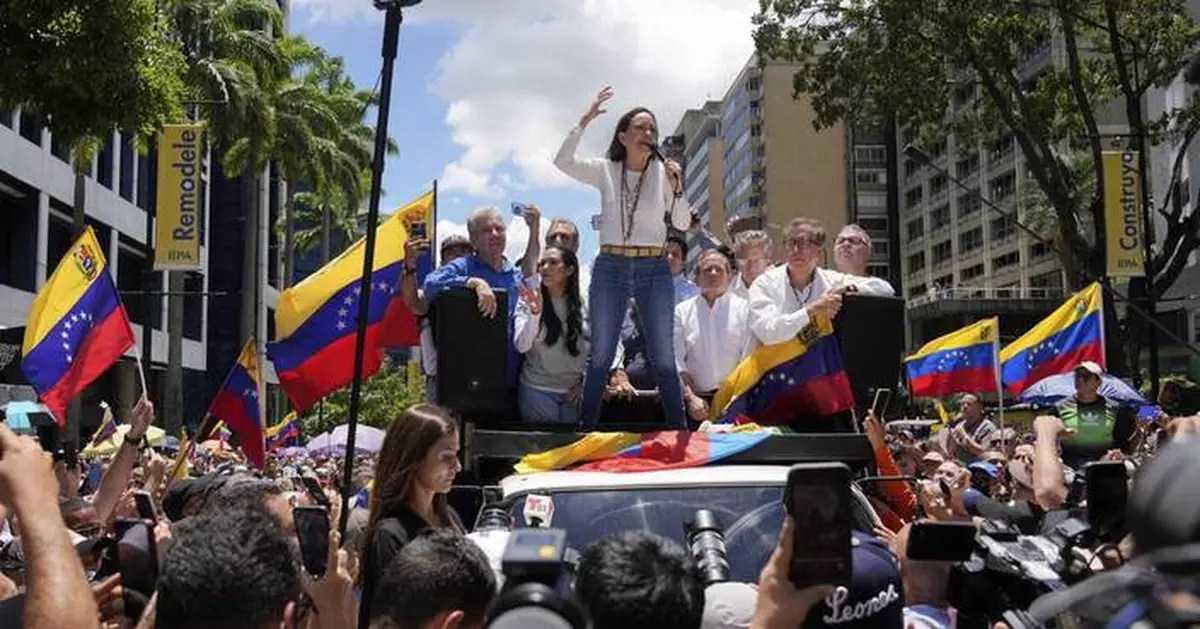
(747, 500)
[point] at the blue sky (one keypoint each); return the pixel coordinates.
(485, 90)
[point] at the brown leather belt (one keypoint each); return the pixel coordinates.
(631, 252)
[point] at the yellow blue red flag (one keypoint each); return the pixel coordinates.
(1072, 334)
(237, 403)
(963, 361)
(316, 320)
(77, 327)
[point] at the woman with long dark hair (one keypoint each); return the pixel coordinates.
(639, 194)
(550, 332)
(416, 468)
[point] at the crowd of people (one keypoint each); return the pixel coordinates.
(641, 323)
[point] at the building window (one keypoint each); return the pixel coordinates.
(18, 237)
(31, 126)
(131, 281)
(942, 252)
(872, 225)
(1004, 227)
(1039, 250)
(967, 166)
(879, 248)
(878, 270)
(913, 196)
(869, 177)
(970, 240)
(945, 281)
(865, 155)
(911, 168)
(193, 306)
(1011, 258)
(940, 217)
(1003, 186)
(938, 184)
(104, 163)
(1046, 285)
(6, 117)
(125, 188)
(971, 273)
(969, 203)
(916, 291)
(915, 228)
(1001, 148)
(916, 262)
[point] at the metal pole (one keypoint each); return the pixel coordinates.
(391, 44)
(1147, 241)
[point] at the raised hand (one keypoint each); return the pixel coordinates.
(531, 297)
(597, 107)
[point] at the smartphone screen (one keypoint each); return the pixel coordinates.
(941, 541)
(312, 529)
(518, 209)
(417, 230)
(818, 499)
(136, 555)
(1107, 496)
(145, 505)
(879, 406)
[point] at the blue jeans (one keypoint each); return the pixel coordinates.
(545, 406)
(648, 281)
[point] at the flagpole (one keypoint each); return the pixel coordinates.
(393, 17)
(999, 380)
(434, 253)
(137, 353)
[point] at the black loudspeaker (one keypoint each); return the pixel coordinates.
(472, 354)
(870, 330)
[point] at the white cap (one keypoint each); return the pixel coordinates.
(728, 605)
(1090, 367)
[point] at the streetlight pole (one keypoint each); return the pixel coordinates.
(393, 11)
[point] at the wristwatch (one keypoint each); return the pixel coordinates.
(138, 443)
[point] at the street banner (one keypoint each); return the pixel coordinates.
(1123, 231)
(178, 212)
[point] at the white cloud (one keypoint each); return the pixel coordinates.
(524, 70)
(519, 78)
(336, 11)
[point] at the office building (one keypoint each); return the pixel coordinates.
(703, 162)
(765, 165)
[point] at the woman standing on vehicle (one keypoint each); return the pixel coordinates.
(551, 333)
(639, 194)
(416, 468)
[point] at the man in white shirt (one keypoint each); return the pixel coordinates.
(712, 334)
(783, 299)
(852, 251)
(753, 250)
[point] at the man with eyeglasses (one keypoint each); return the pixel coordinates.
(784, 299)
(852, 251)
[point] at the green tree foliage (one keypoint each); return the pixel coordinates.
(89, 65)
(864, 61)
(384, 396)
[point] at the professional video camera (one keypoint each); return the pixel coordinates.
(1165, 525)
(706, 540)
(535, 570)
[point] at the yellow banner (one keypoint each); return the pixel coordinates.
(178, 212)
(1123, 214)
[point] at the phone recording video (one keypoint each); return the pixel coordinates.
(1107, 498)
(817, 497)
(145, 506)
(879, 406)
(518, 209)
(941, 541)
(314, 491)
(135, 555)
(417, 230)
(312, 529)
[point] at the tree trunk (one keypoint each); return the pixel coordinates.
(326, 227)
(289, 234)
(251, 277)
(78, 223)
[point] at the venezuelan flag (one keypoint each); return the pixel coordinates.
(237, 403)
(677, 449)
(963, 361)
(282, 433)
(77, 327)
(777, 383)
(108, 427)
(1070, 335)
(316, 320)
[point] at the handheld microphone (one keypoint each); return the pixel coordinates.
(657, 152)
(539, 511)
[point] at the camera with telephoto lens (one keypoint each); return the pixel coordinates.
(537, 590)
(706, 541)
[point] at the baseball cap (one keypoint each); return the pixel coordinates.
(875, 598)
(728, 605)
(986, 468)
(1090, 367)
(933, 457)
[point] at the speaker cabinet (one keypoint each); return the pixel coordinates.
(472, 354)
(870, 329)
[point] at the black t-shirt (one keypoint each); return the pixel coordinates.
(391, 535)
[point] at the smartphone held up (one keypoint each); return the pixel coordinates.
(818, 499)
(312, 530)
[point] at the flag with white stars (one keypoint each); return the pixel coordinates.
(1072, 334)
(963, 361)
(77, 327)
(802, 377)
(317, 320)
(238, 407)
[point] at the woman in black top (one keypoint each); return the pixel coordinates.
(416, 468)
